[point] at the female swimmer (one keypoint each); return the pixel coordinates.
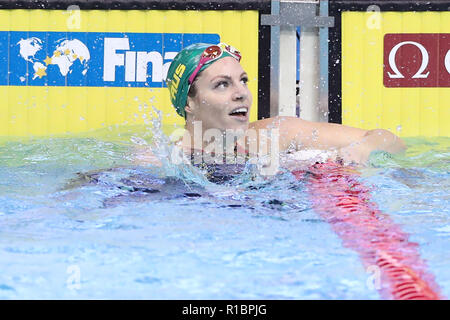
(208, 87)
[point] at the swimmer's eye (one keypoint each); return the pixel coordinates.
(221, 84)
(244, 80)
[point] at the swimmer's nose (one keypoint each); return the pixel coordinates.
(240, 93)
(238, 96)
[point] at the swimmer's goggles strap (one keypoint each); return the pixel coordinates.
(212, 53)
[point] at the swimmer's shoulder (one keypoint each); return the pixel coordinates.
(288, 128)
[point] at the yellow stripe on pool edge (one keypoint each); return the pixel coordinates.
(43, 111)
(366, 103)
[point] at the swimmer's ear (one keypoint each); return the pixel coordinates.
(190, 105)
(188, 109)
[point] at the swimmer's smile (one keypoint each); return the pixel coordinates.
(239, 113)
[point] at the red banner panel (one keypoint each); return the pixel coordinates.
(416, 60)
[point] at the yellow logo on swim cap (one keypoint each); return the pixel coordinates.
(176, 80)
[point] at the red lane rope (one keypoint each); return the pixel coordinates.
(345, 203)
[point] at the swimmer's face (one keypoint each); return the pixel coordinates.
(223, 99)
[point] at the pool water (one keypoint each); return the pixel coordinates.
(80, 220)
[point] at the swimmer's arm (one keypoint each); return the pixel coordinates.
(373, 140)
(309, 135)
(383, 140)
(332, 135)
(352, 144)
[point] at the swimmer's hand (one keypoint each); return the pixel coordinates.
(358, 152)
(143, 155)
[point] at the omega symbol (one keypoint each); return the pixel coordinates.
(424, 65)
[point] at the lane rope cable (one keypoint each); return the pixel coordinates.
(341, 200)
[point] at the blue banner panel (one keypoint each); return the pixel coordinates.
(91, 59)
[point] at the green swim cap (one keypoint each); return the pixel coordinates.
(183, 65)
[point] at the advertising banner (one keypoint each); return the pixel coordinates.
(71, 71)
(396, 71)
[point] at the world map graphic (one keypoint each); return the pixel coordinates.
(64, 55)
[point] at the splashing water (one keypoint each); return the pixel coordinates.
(255, 238)
(172, 159)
